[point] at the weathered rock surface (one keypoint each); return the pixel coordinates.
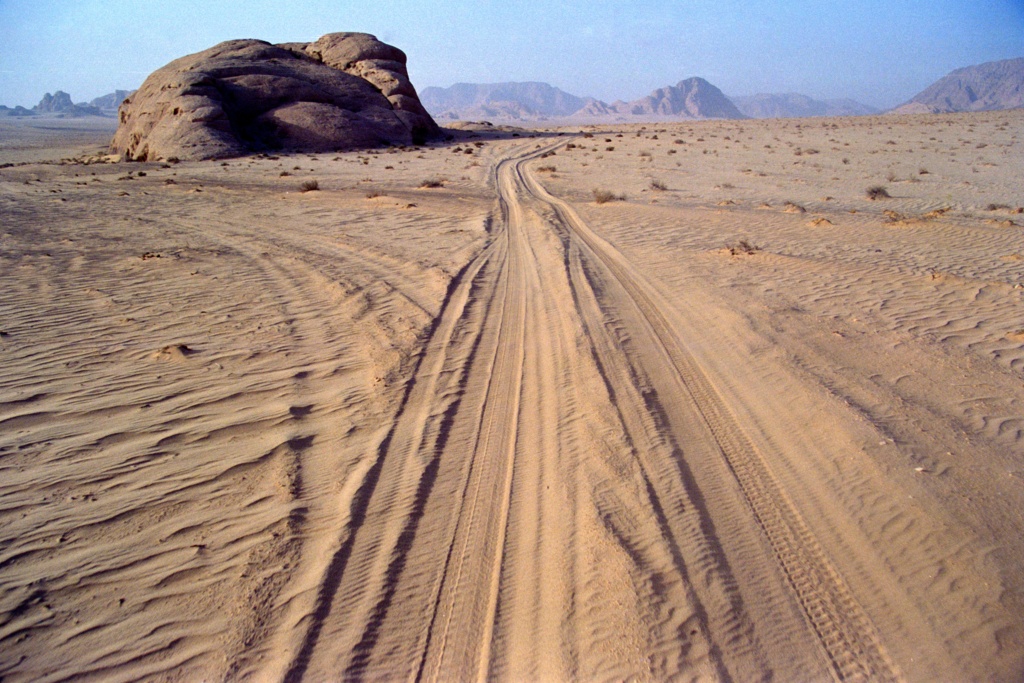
(344, 91)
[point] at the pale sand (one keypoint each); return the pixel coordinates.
(497, 430)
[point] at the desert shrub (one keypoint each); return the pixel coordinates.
(546, 169)
(284, 173)
(310, 186)
(433, 182)
(373, 194)
(173, 160)
(877, 192)
(742, 247)
(922, 171)
(891, 177)
(658, 185)
(604, 196)
(997, 207)
(609, 149)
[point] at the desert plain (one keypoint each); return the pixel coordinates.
(454, 415)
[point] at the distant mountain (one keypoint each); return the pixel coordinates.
(15, 111)
(520, 101)
(793, 105)
(693, 98)
(690, 99)
(60, 103)
(983, 87)
(111, 101)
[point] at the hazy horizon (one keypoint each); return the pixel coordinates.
(876, 53)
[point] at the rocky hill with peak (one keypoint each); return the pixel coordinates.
(693, 98)
(982, 87)
(343, 91)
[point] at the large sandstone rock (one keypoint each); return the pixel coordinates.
(344, 91)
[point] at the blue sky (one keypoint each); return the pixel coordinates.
(880, 52)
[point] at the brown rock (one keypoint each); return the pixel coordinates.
(344, 91)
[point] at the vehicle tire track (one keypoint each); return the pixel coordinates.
(844, 631)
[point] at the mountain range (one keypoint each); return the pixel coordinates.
(983, 87)
(693, 98)
(60, 104)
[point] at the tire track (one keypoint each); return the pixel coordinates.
(845, 633)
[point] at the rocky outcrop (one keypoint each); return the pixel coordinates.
(984, 87)
(344, 91)
(60, 103)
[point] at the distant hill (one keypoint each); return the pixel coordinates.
(110, 102)
(794, 105)
(519, 101)
(983, 87)
(692, 98)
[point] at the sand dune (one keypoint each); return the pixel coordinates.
(486, 427)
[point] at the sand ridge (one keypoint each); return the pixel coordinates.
(486, 427)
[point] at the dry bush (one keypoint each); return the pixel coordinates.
(309, 186)
(433, 182)
(878, 192)
(742, 247)
(658, 185)
(546, 169)
(604, 196)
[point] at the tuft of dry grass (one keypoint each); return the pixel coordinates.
(658, 185)
(310, 186)
(432, 182)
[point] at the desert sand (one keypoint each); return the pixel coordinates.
(447, 417)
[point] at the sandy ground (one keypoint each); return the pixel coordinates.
(740, 423)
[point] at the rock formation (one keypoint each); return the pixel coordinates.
(60, 103)
(344, 91)
(983, 87)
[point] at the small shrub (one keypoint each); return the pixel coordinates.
(604, 196)
(922, 171)
(284, 173)
(658, 185)
(432, 182)
(878, 192)
(310, 186)
(547, 169)
(743, 247)
(997, 207)
(373, 194)
(891, 177)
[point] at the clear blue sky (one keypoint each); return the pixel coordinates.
(880, 52)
